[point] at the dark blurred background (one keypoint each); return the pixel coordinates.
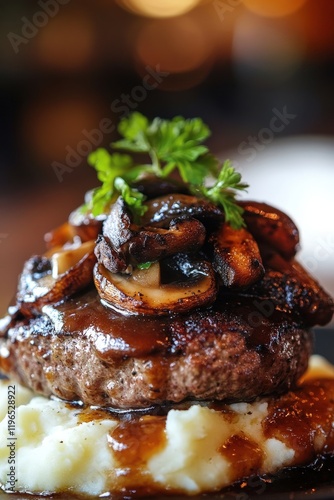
(260, 73)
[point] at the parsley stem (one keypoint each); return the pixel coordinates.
(155, 162)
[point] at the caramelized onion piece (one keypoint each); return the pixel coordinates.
(236, 257)
(38, 286)
(165, 208)
(271, 226)
(143, 292)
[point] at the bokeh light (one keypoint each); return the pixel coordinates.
(66, 42)
(179, 47)
(55, 121)
(273, 8)
(159, 8)
(265, 51)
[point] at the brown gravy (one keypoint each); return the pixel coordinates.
(131, 335)
(302, 418)
(244, 453)
(116, 335)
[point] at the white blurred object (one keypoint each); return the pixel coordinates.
(297, 176)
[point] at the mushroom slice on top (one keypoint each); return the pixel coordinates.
(125, 244)
(113, 260)
(236, 257)
(163, 209)
(183, 235)
(118, 228)
(65, 259)
(192, 285)
(52, 279)
(152, 186)
(271, 226)
(111, 246)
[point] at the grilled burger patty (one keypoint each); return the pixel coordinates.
(81, 350)
(217, 315)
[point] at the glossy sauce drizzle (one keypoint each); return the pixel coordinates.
(244, 454)
(304, 419)
(133, 443)
(115, 335)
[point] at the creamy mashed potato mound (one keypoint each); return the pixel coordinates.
(58, 449)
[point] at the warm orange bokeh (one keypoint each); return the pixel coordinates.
(161, 8)
(274, 8)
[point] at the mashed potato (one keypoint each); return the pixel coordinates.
(48, 446)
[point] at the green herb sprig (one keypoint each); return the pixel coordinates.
(169, 145)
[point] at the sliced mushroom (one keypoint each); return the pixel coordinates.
(125, 244)
(271, 226)
(79, 229)
(81, 226)
(85, 225)
(152, 244)
(63, 260)
(165, 208)
(236, 257)
(117, 231)
(144, 293)
(118, 227)
(152, 186)
(287, 286)
(59, 236)
(113, 260)
(40, 285)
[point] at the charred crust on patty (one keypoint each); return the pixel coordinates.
(174, 307)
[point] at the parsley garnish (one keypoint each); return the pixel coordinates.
(170, 145)
(223, 193)
(144, 265)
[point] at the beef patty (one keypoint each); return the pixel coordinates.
(82, 350)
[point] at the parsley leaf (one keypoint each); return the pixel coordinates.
(133, 129)
(223, 193)
(144, 265)
(132, 197)
(167, 142)
(169, 145)
(109, 167)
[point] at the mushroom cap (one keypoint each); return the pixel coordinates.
(143, 293)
